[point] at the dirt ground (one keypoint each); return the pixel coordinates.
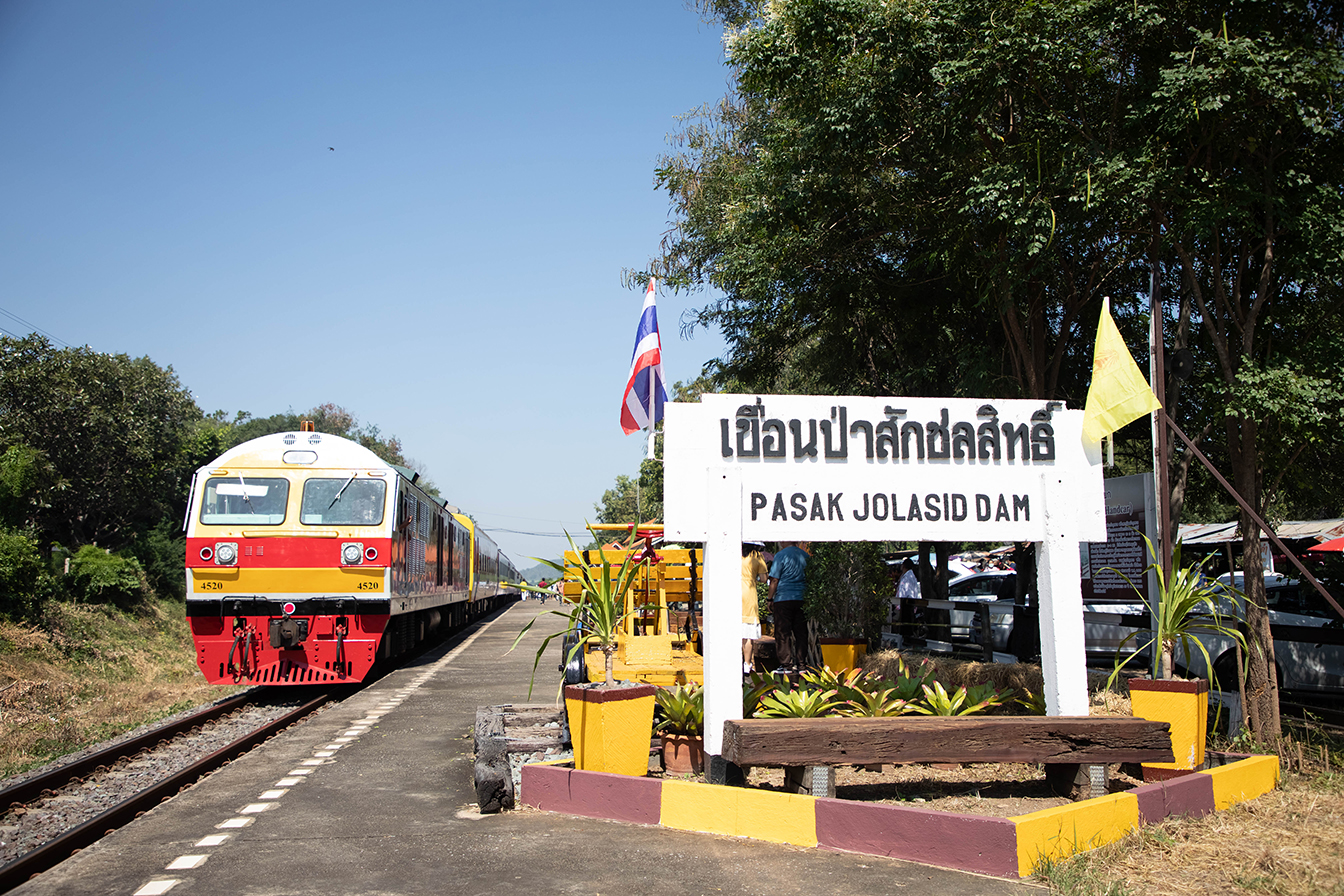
(998, 790)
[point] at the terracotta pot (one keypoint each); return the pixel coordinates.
(1184, 705)
(611, 727)
(683, 754)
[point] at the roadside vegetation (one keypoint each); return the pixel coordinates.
(97, 452)
(80, 674)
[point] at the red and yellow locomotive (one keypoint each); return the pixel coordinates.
(309, 557)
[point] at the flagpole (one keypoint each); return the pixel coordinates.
(1156, 349)
(653, 381)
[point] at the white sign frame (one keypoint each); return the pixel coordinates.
(822, 468)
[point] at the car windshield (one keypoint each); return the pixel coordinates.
(981, 586)
(244, 501)
(343, 501)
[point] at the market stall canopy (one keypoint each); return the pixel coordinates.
(1334, 544)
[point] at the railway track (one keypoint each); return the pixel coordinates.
(46, 817)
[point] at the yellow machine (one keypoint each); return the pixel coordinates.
(660, 639)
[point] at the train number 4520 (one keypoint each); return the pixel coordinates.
(369, 586)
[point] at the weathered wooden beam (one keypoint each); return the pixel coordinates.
(837, 741)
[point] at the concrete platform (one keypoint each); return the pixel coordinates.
(375, 796)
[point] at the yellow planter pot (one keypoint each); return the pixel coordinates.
(842, 653)
(611, 728)
(1185, 706)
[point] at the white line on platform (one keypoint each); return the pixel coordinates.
(186, 863)
(156, 887)
(212, 840)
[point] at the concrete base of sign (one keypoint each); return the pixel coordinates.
(1004, 847)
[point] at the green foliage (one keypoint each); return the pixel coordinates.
(102, 441)
(803, 703)
(24, 476)
(97, 576)
(634, 501)
(961, 702)
(23, 576)
(1187, 607)
(682, 709)
(849, 588)
(855, 693)
(161, 552)
(596, 617)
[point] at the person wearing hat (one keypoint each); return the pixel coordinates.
(753, 570)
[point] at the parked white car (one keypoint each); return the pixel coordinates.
(1300, 617)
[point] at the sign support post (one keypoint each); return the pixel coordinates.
(722, 630)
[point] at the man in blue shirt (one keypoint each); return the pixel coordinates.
(788, 586)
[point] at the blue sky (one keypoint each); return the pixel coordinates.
(451, 272)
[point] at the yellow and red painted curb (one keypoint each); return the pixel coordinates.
(1005, 847)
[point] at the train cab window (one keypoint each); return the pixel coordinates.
(244, 501)
(347, 501)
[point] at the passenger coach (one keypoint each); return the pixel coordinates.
(309, 557)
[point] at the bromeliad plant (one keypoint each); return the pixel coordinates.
(1187, 607)
(596, 616)
(961, 702)
(683, 710)
(803, 703)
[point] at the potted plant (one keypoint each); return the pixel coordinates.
(610, 724)
(682, 728)
(849, 591)
(1187, 607)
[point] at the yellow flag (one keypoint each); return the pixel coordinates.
(1119, 393)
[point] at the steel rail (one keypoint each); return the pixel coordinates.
(26, 791)
(58, 850)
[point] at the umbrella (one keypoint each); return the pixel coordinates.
(1334, 544)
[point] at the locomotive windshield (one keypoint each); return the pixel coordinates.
(347, 501)
(245, 501)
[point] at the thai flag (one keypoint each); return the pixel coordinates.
(644, 393)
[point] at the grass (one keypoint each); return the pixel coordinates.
(1289, 842)
(86, 673)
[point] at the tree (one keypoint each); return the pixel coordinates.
(104, 440)
(929, 197)
(909, 198)
(1244, 128)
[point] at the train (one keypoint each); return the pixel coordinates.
(310, 558)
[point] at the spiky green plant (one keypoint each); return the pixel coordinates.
(683, 710)
(938, 702)
(881, 703)
(799, 704)
(595, 618)
(1187, 607)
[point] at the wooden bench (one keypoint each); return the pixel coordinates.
(1068, 746)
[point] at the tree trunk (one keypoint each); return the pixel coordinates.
(1262, 687)
(609, 656)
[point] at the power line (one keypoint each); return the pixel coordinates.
(533, 534)
(33, 327)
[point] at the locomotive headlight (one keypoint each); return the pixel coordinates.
(226, 553)
(352, 553)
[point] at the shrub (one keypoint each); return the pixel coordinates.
(97, 576)
(162, 553)
(23, 576)
(849, 589)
